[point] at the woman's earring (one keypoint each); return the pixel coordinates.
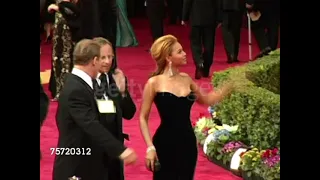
(170, 69)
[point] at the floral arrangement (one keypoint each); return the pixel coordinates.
(270, 166)
(222, 142)
(215, 147)
(229, 149)
(202, 128)
(250, 160)
(232, 146)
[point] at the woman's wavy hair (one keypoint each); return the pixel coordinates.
(160, 50)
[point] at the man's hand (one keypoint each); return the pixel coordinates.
(129, 156)
(120, 79)
(183, 23)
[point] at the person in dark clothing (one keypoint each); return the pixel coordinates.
(156, 14)
(203, 20)
(232, 14)
(266, 29)
(108, 17)
(88, 19)
(175, 11)
(47, 20)
(113, 87)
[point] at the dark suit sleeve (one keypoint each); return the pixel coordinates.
(86, 117)
(127, 105)
(44, 103)
(186, 9)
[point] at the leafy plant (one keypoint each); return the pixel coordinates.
(201, 128)
(265, 73)
(270, 166)
(252, 106)
(215, 147)
(250, 161)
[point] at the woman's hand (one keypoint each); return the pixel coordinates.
(151, 159)
(226, 88)
(53, 8)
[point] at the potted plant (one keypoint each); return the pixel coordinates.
(270, 166)
(229, 149)
(201, 129)
(215, 147)
(250, 163)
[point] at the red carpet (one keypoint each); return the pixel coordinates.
(137, 65)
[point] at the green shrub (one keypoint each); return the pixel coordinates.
(265, 73)
(255, 103)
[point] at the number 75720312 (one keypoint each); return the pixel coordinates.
(71, 151)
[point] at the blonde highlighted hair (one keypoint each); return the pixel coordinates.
(160, 50)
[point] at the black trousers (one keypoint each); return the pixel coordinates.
(266, 30)
(231, 29)
(156, 26)
(155, 14)
(202, 40)
(175, 10)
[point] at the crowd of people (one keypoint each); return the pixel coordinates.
(92, 92)
(206, 15)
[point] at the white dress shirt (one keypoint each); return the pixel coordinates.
(84, 76)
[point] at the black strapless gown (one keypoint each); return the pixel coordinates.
(174, 139)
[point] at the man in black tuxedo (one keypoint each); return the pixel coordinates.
(44, 103)
(113, 87)
(155, 14)
(203, 20)
(83, 139)
(232, 16)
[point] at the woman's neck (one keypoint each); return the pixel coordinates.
(174, 71)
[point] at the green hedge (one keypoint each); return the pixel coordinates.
(265, 73)
(255, 103)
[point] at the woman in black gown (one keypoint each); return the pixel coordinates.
(174, 143)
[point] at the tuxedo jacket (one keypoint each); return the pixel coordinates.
(125, 108)
(79, 126)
